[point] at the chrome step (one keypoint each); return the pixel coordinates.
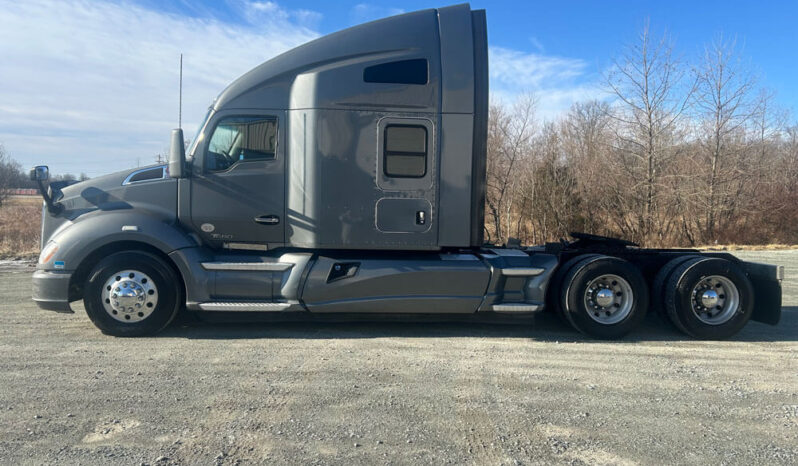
(522, 271)
(516, 307)
(244, 307)
(253, 266)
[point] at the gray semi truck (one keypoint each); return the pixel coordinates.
(347, 177)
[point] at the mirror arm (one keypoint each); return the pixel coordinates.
(52, 207)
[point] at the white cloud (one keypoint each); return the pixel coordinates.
(258, 12)
(92, 86)
(556, 82)
(363, 12)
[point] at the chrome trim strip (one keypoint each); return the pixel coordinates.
(244, 307)
(253, 266)
(522, 271)
(163, 175)
(516, 307)
(246, 246)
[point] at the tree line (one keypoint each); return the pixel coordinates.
(680, 155)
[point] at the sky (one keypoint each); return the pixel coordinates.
(91, 86)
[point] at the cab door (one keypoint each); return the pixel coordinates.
(238, 185)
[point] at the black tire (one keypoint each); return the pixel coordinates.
(163, 278)
(574, 289)
(556, 284)
(658, 287)
(679, 301)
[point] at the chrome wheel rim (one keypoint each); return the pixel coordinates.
(715, 299)
(608, 299)
(129, 296)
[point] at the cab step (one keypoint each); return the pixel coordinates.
(245, 306)
(252, 266)
(522, 271)
(516, 307)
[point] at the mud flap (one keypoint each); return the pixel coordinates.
(766, 279)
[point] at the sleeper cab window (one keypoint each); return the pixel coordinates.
(405, 151)
(241, 139)
(415, 71)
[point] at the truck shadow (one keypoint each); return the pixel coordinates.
(542, 327)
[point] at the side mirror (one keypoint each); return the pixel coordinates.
(40, 173)
(177, 155)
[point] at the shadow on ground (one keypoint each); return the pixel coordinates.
(540, 327)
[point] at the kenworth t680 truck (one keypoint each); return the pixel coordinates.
(347, 176)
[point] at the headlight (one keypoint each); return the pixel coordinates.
(48, 252)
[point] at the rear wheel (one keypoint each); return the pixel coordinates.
(709, 298)
(132, 293)
(556, 283)
(660, 280)
(604, 297)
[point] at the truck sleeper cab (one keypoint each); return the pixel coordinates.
(348, 176)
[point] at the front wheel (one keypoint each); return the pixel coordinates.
(604, 297)
(132, 293)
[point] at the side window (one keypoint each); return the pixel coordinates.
(241, 139)
(414, 71)
(405, 151)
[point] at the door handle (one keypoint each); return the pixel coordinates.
(267, 220)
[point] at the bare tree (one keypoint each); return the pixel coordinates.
(647, 82)
(676, 159)
(556, 209)
(509, 135)
(724, 101)
(10, 174)
(586, 139)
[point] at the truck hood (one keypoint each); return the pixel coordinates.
(146, 189)
(102, 192)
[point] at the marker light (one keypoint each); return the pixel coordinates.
(48, 252)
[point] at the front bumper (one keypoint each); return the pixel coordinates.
(51, 290)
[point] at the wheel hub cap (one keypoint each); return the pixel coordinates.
(605, 297)
(126, 295)
(608, 299)
(709, 298)
(715, 300)
(129, 296)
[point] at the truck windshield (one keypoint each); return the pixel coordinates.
(199, 136)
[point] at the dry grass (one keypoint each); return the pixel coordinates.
(748, 247)
(20, 227)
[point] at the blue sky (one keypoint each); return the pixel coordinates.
(90, 86)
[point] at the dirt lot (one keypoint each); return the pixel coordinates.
(392, 393)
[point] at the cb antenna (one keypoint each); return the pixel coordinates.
(180, 111)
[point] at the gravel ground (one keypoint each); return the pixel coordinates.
(362, 393)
